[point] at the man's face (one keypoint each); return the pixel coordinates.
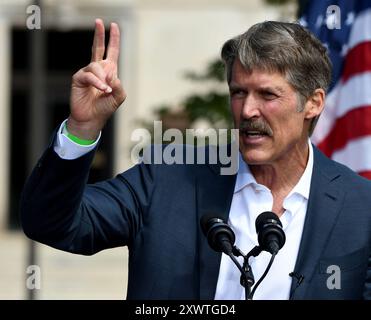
(264, 107)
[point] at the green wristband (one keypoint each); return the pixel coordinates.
(77, 140)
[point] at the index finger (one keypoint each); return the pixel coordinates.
(98, 48)
(113, 49)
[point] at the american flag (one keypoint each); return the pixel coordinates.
(343, 132)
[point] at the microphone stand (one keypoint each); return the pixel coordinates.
(247, 277)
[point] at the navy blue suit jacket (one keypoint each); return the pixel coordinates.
(155, 210)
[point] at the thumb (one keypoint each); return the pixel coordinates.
(118, 92)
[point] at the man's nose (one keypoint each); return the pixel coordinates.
(250, 108)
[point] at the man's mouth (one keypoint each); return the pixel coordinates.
(254, 133)
(255, 129)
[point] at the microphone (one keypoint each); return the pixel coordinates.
(219, 235)
(221, 238)
(299, 279)
(271, 236)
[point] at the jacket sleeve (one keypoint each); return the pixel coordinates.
(367, 287)
(58, 209)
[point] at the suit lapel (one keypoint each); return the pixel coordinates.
(325, 201)
(214, 195)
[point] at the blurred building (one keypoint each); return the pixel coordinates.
(161, 40)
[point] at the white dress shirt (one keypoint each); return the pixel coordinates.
(249, 200)
(67, 149)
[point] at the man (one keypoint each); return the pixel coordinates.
(278, 74)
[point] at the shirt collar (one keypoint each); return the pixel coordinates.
(303, 185)
(245, 177)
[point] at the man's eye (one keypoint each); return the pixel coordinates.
(269, 95)
(238, 93)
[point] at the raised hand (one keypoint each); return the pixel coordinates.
(96, 91)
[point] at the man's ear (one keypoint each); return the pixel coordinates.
(315, 104)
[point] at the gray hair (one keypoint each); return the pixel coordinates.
(287, 48)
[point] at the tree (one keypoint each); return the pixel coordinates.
(212, 106)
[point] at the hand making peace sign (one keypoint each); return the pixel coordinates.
(96, 91)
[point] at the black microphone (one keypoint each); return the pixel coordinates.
(221, 238)
(219, 234)
(271, 237)
(299, 277)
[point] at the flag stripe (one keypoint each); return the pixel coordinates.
(356, 154)
(366, 174)
(361, 29)
(353, 125)
(357, 60)
(354, 93)
(341, 100)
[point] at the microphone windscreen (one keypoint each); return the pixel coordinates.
(205, 221)
(264, 218)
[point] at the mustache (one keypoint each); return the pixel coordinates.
(256, 125)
